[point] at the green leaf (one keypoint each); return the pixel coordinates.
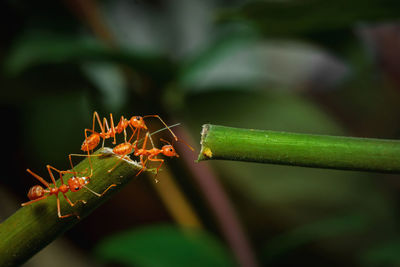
(36, 49)
(327, 23)
(288, 18)
(164, 245)
(250, 62)
(178, 28)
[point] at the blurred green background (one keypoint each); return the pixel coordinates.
(313, 66)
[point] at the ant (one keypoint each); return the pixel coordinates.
(136, 123)
(167, 150)
(126, 148)
(74, 184)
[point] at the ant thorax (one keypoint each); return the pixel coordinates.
(123, 123)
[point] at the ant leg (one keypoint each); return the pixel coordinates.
(39, 178)
(49, 168)
(33, 201)
(125, 135)
(143, 165)
(141, 156)
(82, 155)
(72, 203)
(148, 136)
(145, 141)
(90, 162)
(121, 157)
(97, 194)
(70, 162)
(151, 141)
(59, 211)
(153, 159)
(113, 128)
(106, 128)
(96, 116)
(133, 134)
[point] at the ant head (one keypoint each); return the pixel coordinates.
(36, 192)
(138, 122)
(169, 151)
(76, 183)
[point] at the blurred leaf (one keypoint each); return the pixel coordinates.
(382, 255)
(194, 25)
(305, 234)
(241, 63)
(164, 245)
(324, 21)
(37, 49)
(177, 28)
(110, 81)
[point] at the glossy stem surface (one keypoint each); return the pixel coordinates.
(308, 150)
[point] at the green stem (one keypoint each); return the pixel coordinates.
(321, 151)
(34, 226)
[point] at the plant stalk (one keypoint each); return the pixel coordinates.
(307, 150)
(33, 227)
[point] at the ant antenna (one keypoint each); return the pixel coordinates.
(155, 132)
(191, 148)
(165, 141)
(97, 194)
(156, 116)
(178, 140)
(90, 190)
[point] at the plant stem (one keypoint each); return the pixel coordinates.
(33, 227)
(320, 151)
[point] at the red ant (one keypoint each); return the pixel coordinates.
(126, 148)
(37, 192)
(136, 123)
(167, 150)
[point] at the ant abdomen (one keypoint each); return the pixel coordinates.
(36, 192)
(123, 149)
(91, 142)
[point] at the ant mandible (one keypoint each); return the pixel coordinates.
(74, 184)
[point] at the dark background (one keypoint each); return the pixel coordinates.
(323, 67)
